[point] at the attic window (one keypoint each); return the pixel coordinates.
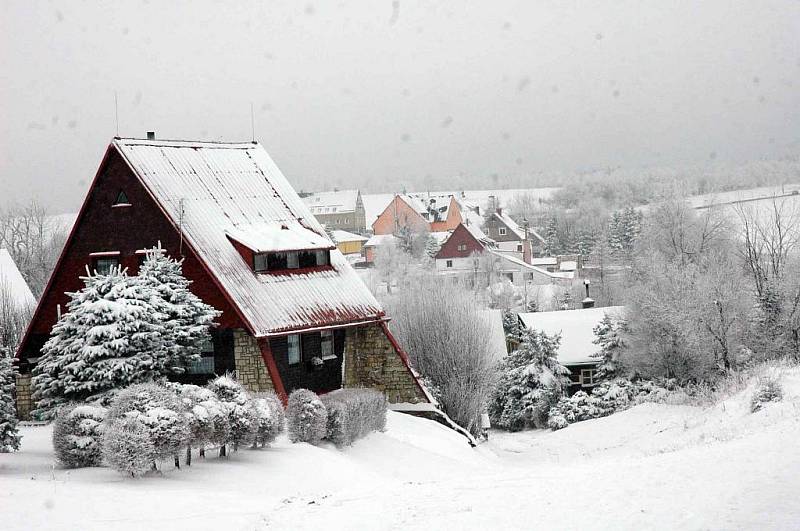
(122, 200)
(502, 231)
(290, 260)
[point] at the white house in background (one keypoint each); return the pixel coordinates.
(13, 287)
(577, 339)
(339, 209)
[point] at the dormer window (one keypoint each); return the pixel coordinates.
(122, 200)
(289, 260)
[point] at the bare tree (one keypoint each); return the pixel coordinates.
(14, 317)
(448, 340)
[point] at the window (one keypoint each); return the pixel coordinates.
(205, 365)
(449, 263)
(308, 258)
(462, 246)
(121, 200)
(323, 258)
(519, 247)
(294, 349)
(260, 262)
(326, 345)
(587, 377)
(502, 231)
(103, 266)
(290, 260)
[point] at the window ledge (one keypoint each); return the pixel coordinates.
(121, 205)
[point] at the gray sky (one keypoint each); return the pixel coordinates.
(378, 93)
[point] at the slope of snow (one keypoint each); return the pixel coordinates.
(653, 466)
(12, 283)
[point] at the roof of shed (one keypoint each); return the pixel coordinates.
(213, 190)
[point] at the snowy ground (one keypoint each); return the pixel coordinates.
(654, 466)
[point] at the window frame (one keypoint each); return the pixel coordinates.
(326, 337)
(591, 372)
(111, 258)
(502, 231)
(294, 340)
(448, 263)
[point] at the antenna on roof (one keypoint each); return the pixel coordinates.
(116, 111)
(252, 122)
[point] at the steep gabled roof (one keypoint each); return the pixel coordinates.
(213, 192)
(518, 231)
(13, 288)
(339, 201)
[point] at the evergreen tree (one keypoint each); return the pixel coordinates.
(187, 318)
(110, 337)
(615, 233)
(609, 338)
(551, 240)
(431, 246)
(511, 326)
(9, 436)
(531, 382)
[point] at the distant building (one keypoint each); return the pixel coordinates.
(13, 288)
(509, 235)
(576, 328)
(372, 245)
(348, 242)
(425, 212)
(338, 210)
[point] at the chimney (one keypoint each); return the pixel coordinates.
(588, 302)
(151, 135)
(526, 245)
(499, 211)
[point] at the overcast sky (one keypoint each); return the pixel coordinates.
(380, 93)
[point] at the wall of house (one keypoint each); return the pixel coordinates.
(23, 390)
(353, 247)
(251, 370)
(404, 215)
(370, 360)
(303, 375)
(461, 236)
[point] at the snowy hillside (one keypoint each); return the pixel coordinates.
(654, 466)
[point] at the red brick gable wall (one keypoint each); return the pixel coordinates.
(101, 227)
(454, 218)
(406, 217)
(460, 236)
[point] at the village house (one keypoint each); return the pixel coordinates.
(294, 312)
(348, 242)
(510, 236)
(338, 210)
(424, 213)
(576, 349)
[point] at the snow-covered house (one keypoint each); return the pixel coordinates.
(577, 338)
(509, 235)
(294, 312)
(13, 288)
(339, 209)
(425, 212)
(348, 242)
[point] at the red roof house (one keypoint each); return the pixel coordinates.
(253, 250)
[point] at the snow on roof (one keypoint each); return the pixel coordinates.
(12, 283)
(568, 265)
(478, 234)
(332, 202)
(576, 328)
(511, 224)
(344, 236)
(228, 188)
(275, 237)
(380, 239)
(544, 261)
(498, 339)
(441, 236)
(522, 265)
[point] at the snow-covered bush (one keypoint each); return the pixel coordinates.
(9, 435)
(354, 413)
(77, 433)
(769, 389)
(530, 383)
(206, 416)
(242, 419)
(188, 318)
(271, 419)
(111, 336)
(127, 446)
(306, 417)
(160, 410)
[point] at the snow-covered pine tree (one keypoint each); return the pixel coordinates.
(511, 326)
(631, 228)
(110, 337)
(9, 434)
(552, 246)
(188, 319)
(615, 227)
(431, 246)
(608, 337)
(531, 381)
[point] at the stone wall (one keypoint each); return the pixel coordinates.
(370, 360)
(250, 368)
(24, 403)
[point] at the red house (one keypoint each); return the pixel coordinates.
(294, 313)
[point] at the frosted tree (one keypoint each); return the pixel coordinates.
(77, 432)
(608, 338)
(187, 318)
(431, 246)
(207, 418)
(552, 244)
(111, 336)
(531, 381)
(271, 419)
(127, 446)
(242, 417)
(511, 326)
(9, 435)
(307, 417)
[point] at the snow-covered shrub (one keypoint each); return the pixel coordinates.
(110, 336)
(306, 417)
(76, 435)
(206, 416)
(354, 413)
(160, 410)
(9, 435)
(127, 446)
(530, 383)
(769, 390)
(242, 419)
(270, 419)
(556, 421)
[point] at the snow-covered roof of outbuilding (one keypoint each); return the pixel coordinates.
(214, 191)
(13, 287)
(576, 328)
(344, 236)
